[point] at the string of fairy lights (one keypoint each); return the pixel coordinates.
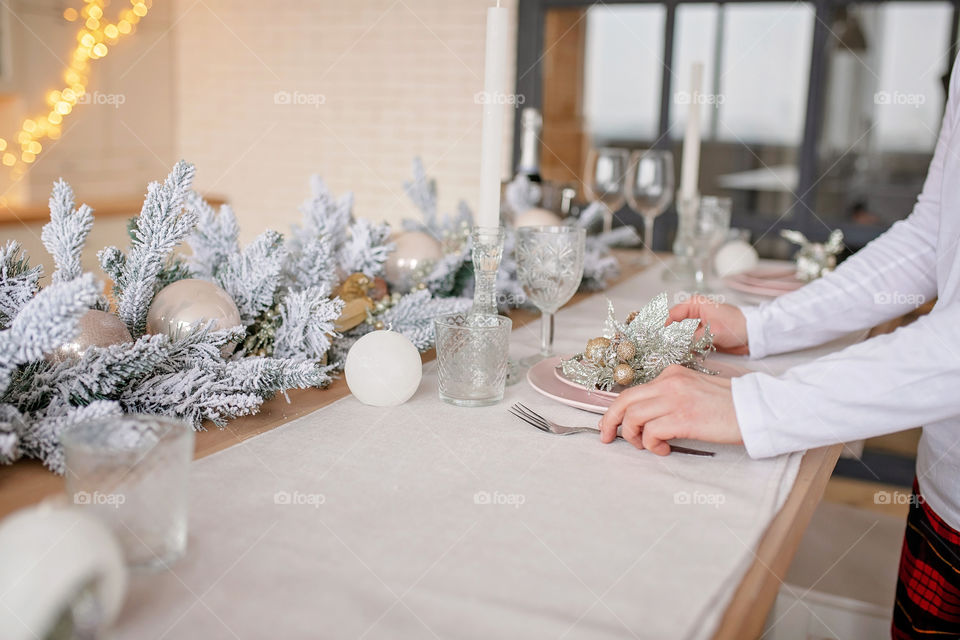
(94, 39)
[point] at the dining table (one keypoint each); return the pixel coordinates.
(324, 517)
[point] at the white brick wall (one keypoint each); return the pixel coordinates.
(398, 78)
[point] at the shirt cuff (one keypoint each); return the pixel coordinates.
(755, 341)
(748, 405)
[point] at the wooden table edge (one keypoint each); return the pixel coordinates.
(754, 597)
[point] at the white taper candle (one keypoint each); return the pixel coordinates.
(690, 166)
(493, 99)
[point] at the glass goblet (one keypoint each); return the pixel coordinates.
(549, 267)
(604, 178)
(649, 191)
(708, 230)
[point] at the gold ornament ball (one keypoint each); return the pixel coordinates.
(623, 374)
(595, 348)
(183, 306)
(626, 350)
(415, 254)
(95, 329)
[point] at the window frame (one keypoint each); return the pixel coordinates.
(531, 15)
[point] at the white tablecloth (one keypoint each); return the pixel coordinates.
(428, 520)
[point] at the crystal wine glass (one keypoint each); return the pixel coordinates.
(604, 180)
(708, 231)
(649, 190)
(549, 267)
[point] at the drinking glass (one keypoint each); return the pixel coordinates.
(708, 231)
(604, 180)
(472, 354)
(549, 267)
(131, 471)
(649, 191)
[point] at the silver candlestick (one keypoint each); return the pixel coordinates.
(682, 267)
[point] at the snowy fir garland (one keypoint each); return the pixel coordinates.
(293, 293)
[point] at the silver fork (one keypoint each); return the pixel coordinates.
(533, 418)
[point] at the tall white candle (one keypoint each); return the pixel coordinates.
(494, 98)
(690, 166)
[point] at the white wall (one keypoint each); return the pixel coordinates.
(398, 79)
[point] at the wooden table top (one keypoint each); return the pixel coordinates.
(28, 482)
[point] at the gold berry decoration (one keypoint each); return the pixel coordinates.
(632, 316)
(626, 350)
(596, 348)
(623, 374)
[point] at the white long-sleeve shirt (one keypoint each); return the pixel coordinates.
(889, 383)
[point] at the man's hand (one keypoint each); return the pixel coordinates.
(679, 403)
(727, 324)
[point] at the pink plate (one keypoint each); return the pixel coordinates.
(767, 281)
(545, 378)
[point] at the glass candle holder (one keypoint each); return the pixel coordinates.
(486, 251)
(472, 357)
(132, 471)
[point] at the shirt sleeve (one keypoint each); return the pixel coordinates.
(891, 276)
(886, 384)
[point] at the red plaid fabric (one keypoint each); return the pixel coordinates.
(928, 589)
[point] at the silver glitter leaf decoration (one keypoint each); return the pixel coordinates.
(657, 346)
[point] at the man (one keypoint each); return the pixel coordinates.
(888, 383)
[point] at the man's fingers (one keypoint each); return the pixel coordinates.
(633, 433)
(656, 435)
(614, 414)
(683, 311)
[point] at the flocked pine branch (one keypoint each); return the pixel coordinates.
(325, 215)
(414, 313)
(307, 325)
(422, 190)
(367, 248)
(44, 323)
(18, 281)
(215, 238)
(42, 439)
(64, 236)
(161, 225)
(252, 276)
(312, 263)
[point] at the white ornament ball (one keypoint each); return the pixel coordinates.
(735, 257)
(537, 217)
(95, 329)
(383, 369)
(180, 307)
(414, 257)
(48, 554)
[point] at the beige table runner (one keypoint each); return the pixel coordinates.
(427, 520)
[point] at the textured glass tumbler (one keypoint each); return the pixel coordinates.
(472, 358)
(132, 472)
